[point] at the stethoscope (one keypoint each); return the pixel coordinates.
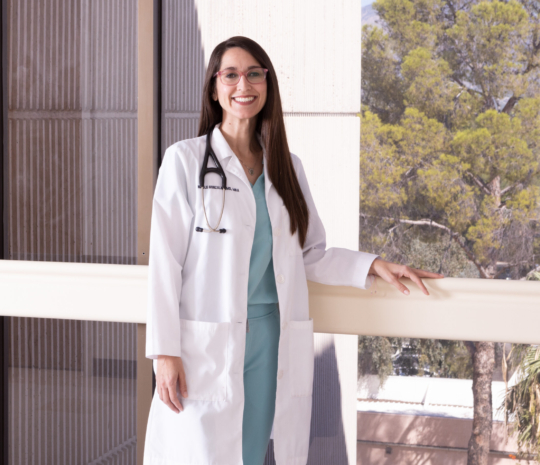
(204, 171)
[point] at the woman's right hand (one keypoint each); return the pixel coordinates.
(170, 374)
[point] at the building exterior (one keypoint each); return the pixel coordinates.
(412, 420)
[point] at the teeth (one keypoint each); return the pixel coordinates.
(240, 99)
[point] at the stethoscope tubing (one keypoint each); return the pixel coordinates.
(204, 171)
(220, 216)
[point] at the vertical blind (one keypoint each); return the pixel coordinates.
(72, 197)
(183, 71)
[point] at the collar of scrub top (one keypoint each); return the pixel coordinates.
(230, 162)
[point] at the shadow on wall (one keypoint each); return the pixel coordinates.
(327, 436)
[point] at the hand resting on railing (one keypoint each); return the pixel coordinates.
(391, 272)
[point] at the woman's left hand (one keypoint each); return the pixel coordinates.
(391, 272)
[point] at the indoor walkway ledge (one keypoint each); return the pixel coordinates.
(457, 309)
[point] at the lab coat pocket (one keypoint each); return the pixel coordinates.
(301, 357)
(204, 355)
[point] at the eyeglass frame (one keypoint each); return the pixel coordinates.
(241, 74)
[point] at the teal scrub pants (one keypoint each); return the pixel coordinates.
(260, 381)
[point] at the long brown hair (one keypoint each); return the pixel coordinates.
(270, 126)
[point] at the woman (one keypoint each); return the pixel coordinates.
(228, 320)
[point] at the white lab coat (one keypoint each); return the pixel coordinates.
(197, 307)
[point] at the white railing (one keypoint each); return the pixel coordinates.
(457, 309)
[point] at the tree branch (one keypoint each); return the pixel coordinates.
(454, 235)
(530, 66)
(479, 183)
(509, 188)
(510, 104)
(469, 89)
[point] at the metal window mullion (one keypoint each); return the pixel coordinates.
(148, 85)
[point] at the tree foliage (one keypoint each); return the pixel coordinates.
(522, 403)
(450, 162)
(383, 357)
(451, 129)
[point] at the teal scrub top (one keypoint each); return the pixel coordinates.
(261, 281)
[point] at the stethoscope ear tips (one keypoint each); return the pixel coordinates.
(198, 229)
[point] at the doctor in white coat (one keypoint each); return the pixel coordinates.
(198, 278)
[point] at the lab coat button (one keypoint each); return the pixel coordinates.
(280, 374)
(280, 278)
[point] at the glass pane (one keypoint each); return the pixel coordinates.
(72, 392)
(450, 184)
(72, 136)
(182, 73)
(416, 398)
(72, 197)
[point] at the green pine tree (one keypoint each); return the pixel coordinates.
(451, 146)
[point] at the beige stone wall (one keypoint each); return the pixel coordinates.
(445, 440)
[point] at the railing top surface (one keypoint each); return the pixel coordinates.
(466, 309)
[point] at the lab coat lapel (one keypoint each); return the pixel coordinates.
(267, 180)
(229, 161)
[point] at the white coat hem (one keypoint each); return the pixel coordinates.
(153, 460)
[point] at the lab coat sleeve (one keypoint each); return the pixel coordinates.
(334, 266)
(169, 237)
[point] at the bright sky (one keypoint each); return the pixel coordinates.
(367, 2)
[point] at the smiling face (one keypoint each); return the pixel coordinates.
(243, 100)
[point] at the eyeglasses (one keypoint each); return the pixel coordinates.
(231, 77)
